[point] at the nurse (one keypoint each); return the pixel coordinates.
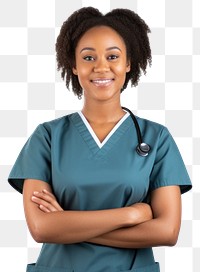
(94, 203)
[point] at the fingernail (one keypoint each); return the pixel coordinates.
(35, 193)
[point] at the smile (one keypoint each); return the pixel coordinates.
(102, 82)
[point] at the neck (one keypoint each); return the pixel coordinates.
(103, 112)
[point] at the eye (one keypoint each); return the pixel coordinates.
(88, 58)
(113, 57)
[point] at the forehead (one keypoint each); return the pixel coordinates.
(100, 36)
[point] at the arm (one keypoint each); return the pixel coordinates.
(162, 230)
(72, 226)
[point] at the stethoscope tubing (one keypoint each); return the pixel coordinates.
(142, 148)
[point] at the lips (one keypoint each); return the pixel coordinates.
(102, 81)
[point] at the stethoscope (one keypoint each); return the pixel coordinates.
(142, 148)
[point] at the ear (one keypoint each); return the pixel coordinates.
(128, 66)
(74, 71)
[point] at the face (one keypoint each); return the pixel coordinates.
(101, 63)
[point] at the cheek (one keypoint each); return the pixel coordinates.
(83, 76)
(83, 70)
(121, 71)
(121, 67)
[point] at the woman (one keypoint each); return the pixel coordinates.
(85, 187)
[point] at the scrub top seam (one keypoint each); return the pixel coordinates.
(76, 121)
(184, 185)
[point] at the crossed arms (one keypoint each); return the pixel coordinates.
(138, 226)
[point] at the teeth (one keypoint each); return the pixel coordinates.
(102, 81)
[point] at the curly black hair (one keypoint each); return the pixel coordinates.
(125, 22)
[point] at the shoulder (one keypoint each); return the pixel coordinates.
(151, 126)
(57, 124)
(155, 134)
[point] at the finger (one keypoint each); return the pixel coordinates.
(48, 193)
(45, 197)
(44, 209)
(50, 198)
(44, 203)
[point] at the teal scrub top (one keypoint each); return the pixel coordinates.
(86, 176)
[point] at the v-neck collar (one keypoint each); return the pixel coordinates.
(90, 138)
(96, 139)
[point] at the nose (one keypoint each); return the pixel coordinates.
(101, 66)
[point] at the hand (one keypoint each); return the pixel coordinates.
(46, 201)
(140, 212)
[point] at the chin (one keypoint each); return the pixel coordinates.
(106, 96)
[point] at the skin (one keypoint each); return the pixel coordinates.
(48, 223)
(98, 58)
(101, 67)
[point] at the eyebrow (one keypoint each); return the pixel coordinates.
(107, 49)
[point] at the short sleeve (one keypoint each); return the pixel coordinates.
(169, 168)
(34, 160)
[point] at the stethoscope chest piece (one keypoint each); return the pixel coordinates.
(143, 149)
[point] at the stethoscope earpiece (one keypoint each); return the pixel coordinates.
(142, 148)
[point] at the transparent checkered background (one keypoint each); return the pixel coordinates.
(31, 91)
